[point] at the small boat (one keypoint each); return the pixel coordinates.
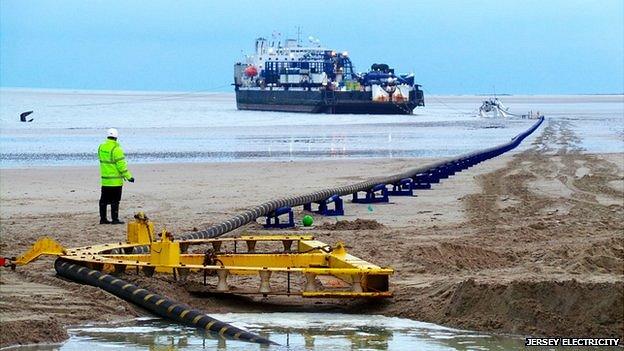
(493, 108)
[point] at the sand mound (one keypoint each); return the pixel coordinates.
(451, 256)
(543, 307)
(358, 224)
(39, 331)
(602, 256)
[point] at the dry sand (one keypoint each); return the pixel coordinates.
(530, 242)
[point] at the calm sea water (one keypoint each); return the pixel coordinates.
(162, 127)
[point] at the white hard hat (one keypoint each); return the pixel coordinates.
(112, 132)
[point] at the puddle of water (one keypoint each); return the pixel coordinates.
(293, 331)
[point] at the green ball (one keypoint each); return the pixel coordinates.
(307, 220)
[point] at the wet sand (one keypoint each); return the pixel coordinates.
(530, 242)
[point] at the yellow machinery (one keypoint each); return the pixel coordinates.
(277, 260)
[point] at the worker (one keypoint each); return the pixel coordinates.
(113, 170)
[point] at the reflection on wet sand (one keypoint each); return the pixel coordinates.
(329, 335)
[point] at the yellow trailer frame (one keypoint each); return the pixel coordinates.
(307, 257)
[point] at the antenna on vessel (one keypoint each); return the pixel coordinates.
(277, 38)
(298, 36)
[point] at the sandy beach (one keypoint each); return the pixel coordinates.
(527, 243)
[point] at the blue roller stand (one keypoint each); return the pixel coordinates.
(338, 209)
(402, 188)
(324, 210)
(273, 221)
(450, 169)
(421, 182)
(378, 193)
(441, 172)
(463, 164)
(433, 176)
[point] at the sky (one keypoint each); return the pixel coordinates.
(452, 47)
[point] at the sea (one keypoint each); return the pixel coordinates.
(67, 127)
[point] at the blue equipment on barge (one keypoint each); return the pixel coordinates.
(296, 78)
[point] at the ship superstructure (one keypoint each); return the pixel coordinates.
(312, 78)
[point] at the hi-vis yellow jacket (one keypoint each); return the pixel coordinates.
(113, 165)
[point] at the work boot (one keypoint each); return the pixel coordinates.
(115, 213)
(103, 219)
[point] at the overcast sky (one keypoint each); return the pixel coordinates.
(453, 47)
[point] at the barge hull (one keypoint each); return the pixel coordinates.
(350, 102)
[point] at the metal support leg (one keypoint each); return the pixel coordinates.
(216, 246)
(287, 244)
(251, 246)
(265, 276)
(356, 286)
(222, 284)
(310, 282)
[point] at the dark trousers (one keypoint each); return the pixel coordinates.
(111, 195)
